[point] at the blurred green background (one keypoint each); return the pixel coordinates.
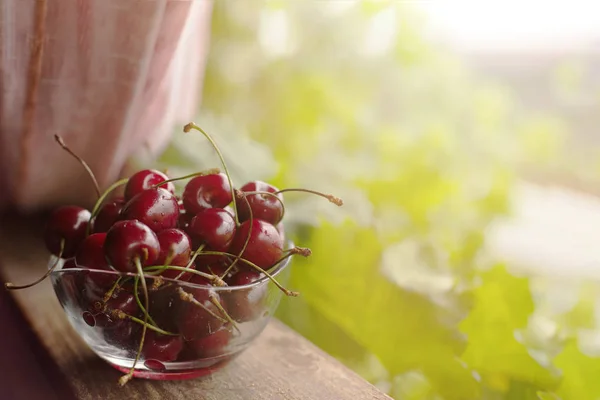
(462, 265)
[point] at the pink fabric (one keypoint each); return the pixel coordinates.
(110, 76)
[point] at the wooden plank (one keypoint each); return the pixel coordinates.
(279, 365)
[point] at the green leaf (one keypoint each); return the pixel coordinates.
(503, 305)
(404, 329)
(580, 373)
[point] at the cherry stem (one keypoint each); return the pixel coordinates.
(269, 194)
(126, 378)
(85, 165)
(191, 126)
(211, 171)
(259, 269)
(335, 200)
(302, 251)
(122, 315)
(237, 258)
(138, 301)
(11, 286)
(217, 304)
(185, 296)
(192, 259)
(110, 292)
(101, 199)
(214, 278)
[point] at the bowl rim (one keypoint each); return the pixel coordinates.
(273, 271)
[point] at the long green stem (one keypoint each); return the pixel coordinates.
(100, 200)
(11, 286)
(334, 199)
(192, 259)
(85, 165)
(271, 195)
(185, 296)
(211, 171)
(256, 267)
(191, 126)
(250, 223)
(120, 314)
(126, 378)
(213, 278)
(138, 301)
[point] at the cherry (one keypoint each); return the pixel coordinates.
(198, 320)
(161, 347)
(129, 240)
(90, 255)
(265, 246)
(245, 304)
(213, 227)
(66, 224)
(207, 191)
(124, 301)
(175, 249)
(265, 207)
(163, 303)
(124, 335)
(144, 180)
(212, 345)
(156, 207)
(109, 214)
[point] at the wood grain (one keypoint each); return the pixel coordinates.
(279, 365)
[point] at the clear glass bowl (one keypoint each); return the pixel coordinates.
(203, 339)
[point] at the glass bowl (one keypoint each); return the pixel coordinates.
(201, 328)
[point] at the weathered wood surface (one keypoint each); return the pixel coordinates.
(279, 365)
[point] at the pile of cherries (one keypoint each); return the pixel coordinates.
(137, 245)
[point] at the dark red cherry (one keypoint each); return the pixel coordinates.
(263, 206)
(163, 348)
(129, 240)
(109, 214)
(175, 249)
(68, 223)
(123, 300)
(195, 321)
(265, 246)
(125, 335)
(154, 207)
(213, 227)
(90, 255)
(246, 304)
(206, 191)
(144, 180)
(163, 306)
(212, 345)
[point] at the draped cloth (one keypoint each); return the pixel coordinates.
(111, 77)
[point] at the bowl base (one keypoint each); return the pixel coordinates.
(173, 375)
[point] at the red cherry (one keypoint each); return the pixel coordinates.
(214, 227)
(163, 306)
(129, 240)
(125, 335)
(144, 180)
(161, 347)
(212, 345)
(206, 191)
(109, 214)
(90, 255)
(263, 206)
(246, 304)
(195, 321)
(265, 246)
(155, 207)
(68, 224)
(175, 249)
